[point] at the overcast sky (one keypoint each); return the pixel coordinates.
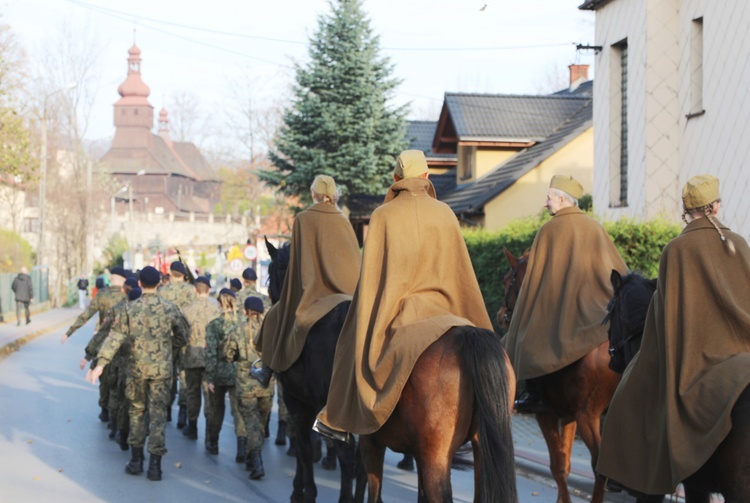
(198, 46)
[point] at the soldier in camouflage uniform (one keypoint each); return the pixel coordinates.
(220, 375)
(255, 402)
(198, 315)
(155, 328)
(105, 300)
(117, 407)
(182, 294)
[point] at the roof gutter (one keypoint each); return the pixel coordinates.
(593, 4)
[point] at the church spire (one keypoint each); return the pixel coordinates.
(134, 115)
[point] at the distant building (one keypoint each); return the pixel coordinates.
(157, 175)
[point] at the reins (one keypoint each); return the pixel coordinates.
(513, 287)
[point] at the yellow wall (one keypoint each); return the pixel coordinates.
(526, 197)
(485, 160)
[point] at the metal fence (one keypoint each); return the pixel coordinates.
(39, 281)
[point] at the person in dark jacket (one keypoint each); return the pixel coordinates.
(24, 292)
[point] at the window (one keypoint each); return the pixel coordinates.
(31, 225)
(466, 169)
(618, 154)
(696, 68)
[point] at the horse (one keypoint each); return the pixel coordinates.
(305, 386)
(727, 471)
(578, 394)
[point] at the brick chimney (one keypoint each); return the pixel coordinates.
(578, 73)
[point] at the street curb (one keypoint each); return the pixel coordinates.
(15, 345)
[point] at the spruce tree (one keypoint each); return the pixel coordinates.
(340, 123)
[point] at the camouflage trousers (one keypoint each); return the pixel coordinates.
(104, 387)
(255, 411)
(283, 411)
(193, 390)
(152, 396)
(118, 402)
(182, 393)
(217, 408)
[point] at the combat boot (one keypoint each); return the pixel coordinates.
(122, 439)
(191, 430)
(135, 467)
(154, 468)
(281, 434)
(182, 417)
(104, 415)
(256, 465)
(262, 375)
(212, 445)
(113, 428)
(407, 463)
(241, 450)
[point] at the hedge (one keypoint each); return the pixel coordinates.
(639, 243)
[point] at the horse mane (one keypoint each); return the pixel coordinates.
(277, 270)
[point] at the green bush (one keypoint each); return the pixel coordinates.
(639, 243)
(15, 252)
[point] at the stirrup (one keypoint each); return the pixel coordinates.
(325, 430)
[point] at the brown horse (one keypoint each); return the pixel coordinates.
(577, 394)
(461, 389)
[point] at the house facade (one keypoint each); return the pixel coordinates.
(669, 104)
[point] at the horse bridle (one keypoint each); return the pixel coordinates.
(514, 288)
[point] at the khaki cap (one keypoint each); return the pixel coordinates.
(410, 164)
(699, 191)
(324, 185)
(567, 184)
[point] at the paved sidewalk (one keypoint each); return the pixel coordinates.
(13, 336)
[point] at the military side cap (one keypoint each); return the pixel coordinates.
(567, 184)
(236, 284)
(699, 191)
(324, 185)
(204, 280)
(118, 271)
(227, 291)
(254, 304)
(410, 164)
(179, 267)
(132, 282)
(249, 274)
(149, 276)
(135, 293)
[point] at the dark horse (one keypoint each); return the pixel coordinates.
(577, 394)
(305, 386)
(727, 471)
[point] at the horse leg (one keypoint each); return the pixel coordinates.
(696, 496)
(559, 447)
(304, 480)
(588, 428)
(434, 480)
(345, 454)
(373, 456)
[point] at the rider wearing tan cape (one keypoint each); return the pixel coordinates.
(417, 282)
(672, 408)
(323, 270)
(558, 316)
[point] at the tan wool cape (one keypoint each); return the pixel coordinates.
(673, 406)
(417, 282)
(563, 300)
(323, 270)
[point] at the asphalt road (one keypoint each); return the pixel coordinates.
(53, 447)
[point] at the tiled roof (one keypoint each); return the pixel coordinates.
(192, 156)
(420, 135)
(470, 198)
(496, 117)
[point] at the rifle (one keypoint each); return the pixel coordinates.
(190, 274)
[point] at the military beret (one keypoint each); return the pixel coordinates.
(249, 274)
(134, 293)
(567, 184)
(204, 280)
(253, 303)
(324, 185)
(411, 164)
(227, 291)
(178, 267)
(118, 271)
(236, 284)
(700, 191)
(132, 282)
(149, 276)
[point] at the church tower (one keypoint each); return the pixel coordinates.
(134, 115)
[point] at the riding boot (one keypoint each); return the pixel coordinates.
(182, 417)
(262, 375)
(212, 445)
(241, 450)
(281, 434)
(104, 415)
(329, 462)
(530, 400)
(135, 466)
(113, 426)
(154, 468)
(256, 472)
(407, 463)
(191, 429)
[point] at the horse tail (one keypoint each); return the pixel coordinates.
(482, 358)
